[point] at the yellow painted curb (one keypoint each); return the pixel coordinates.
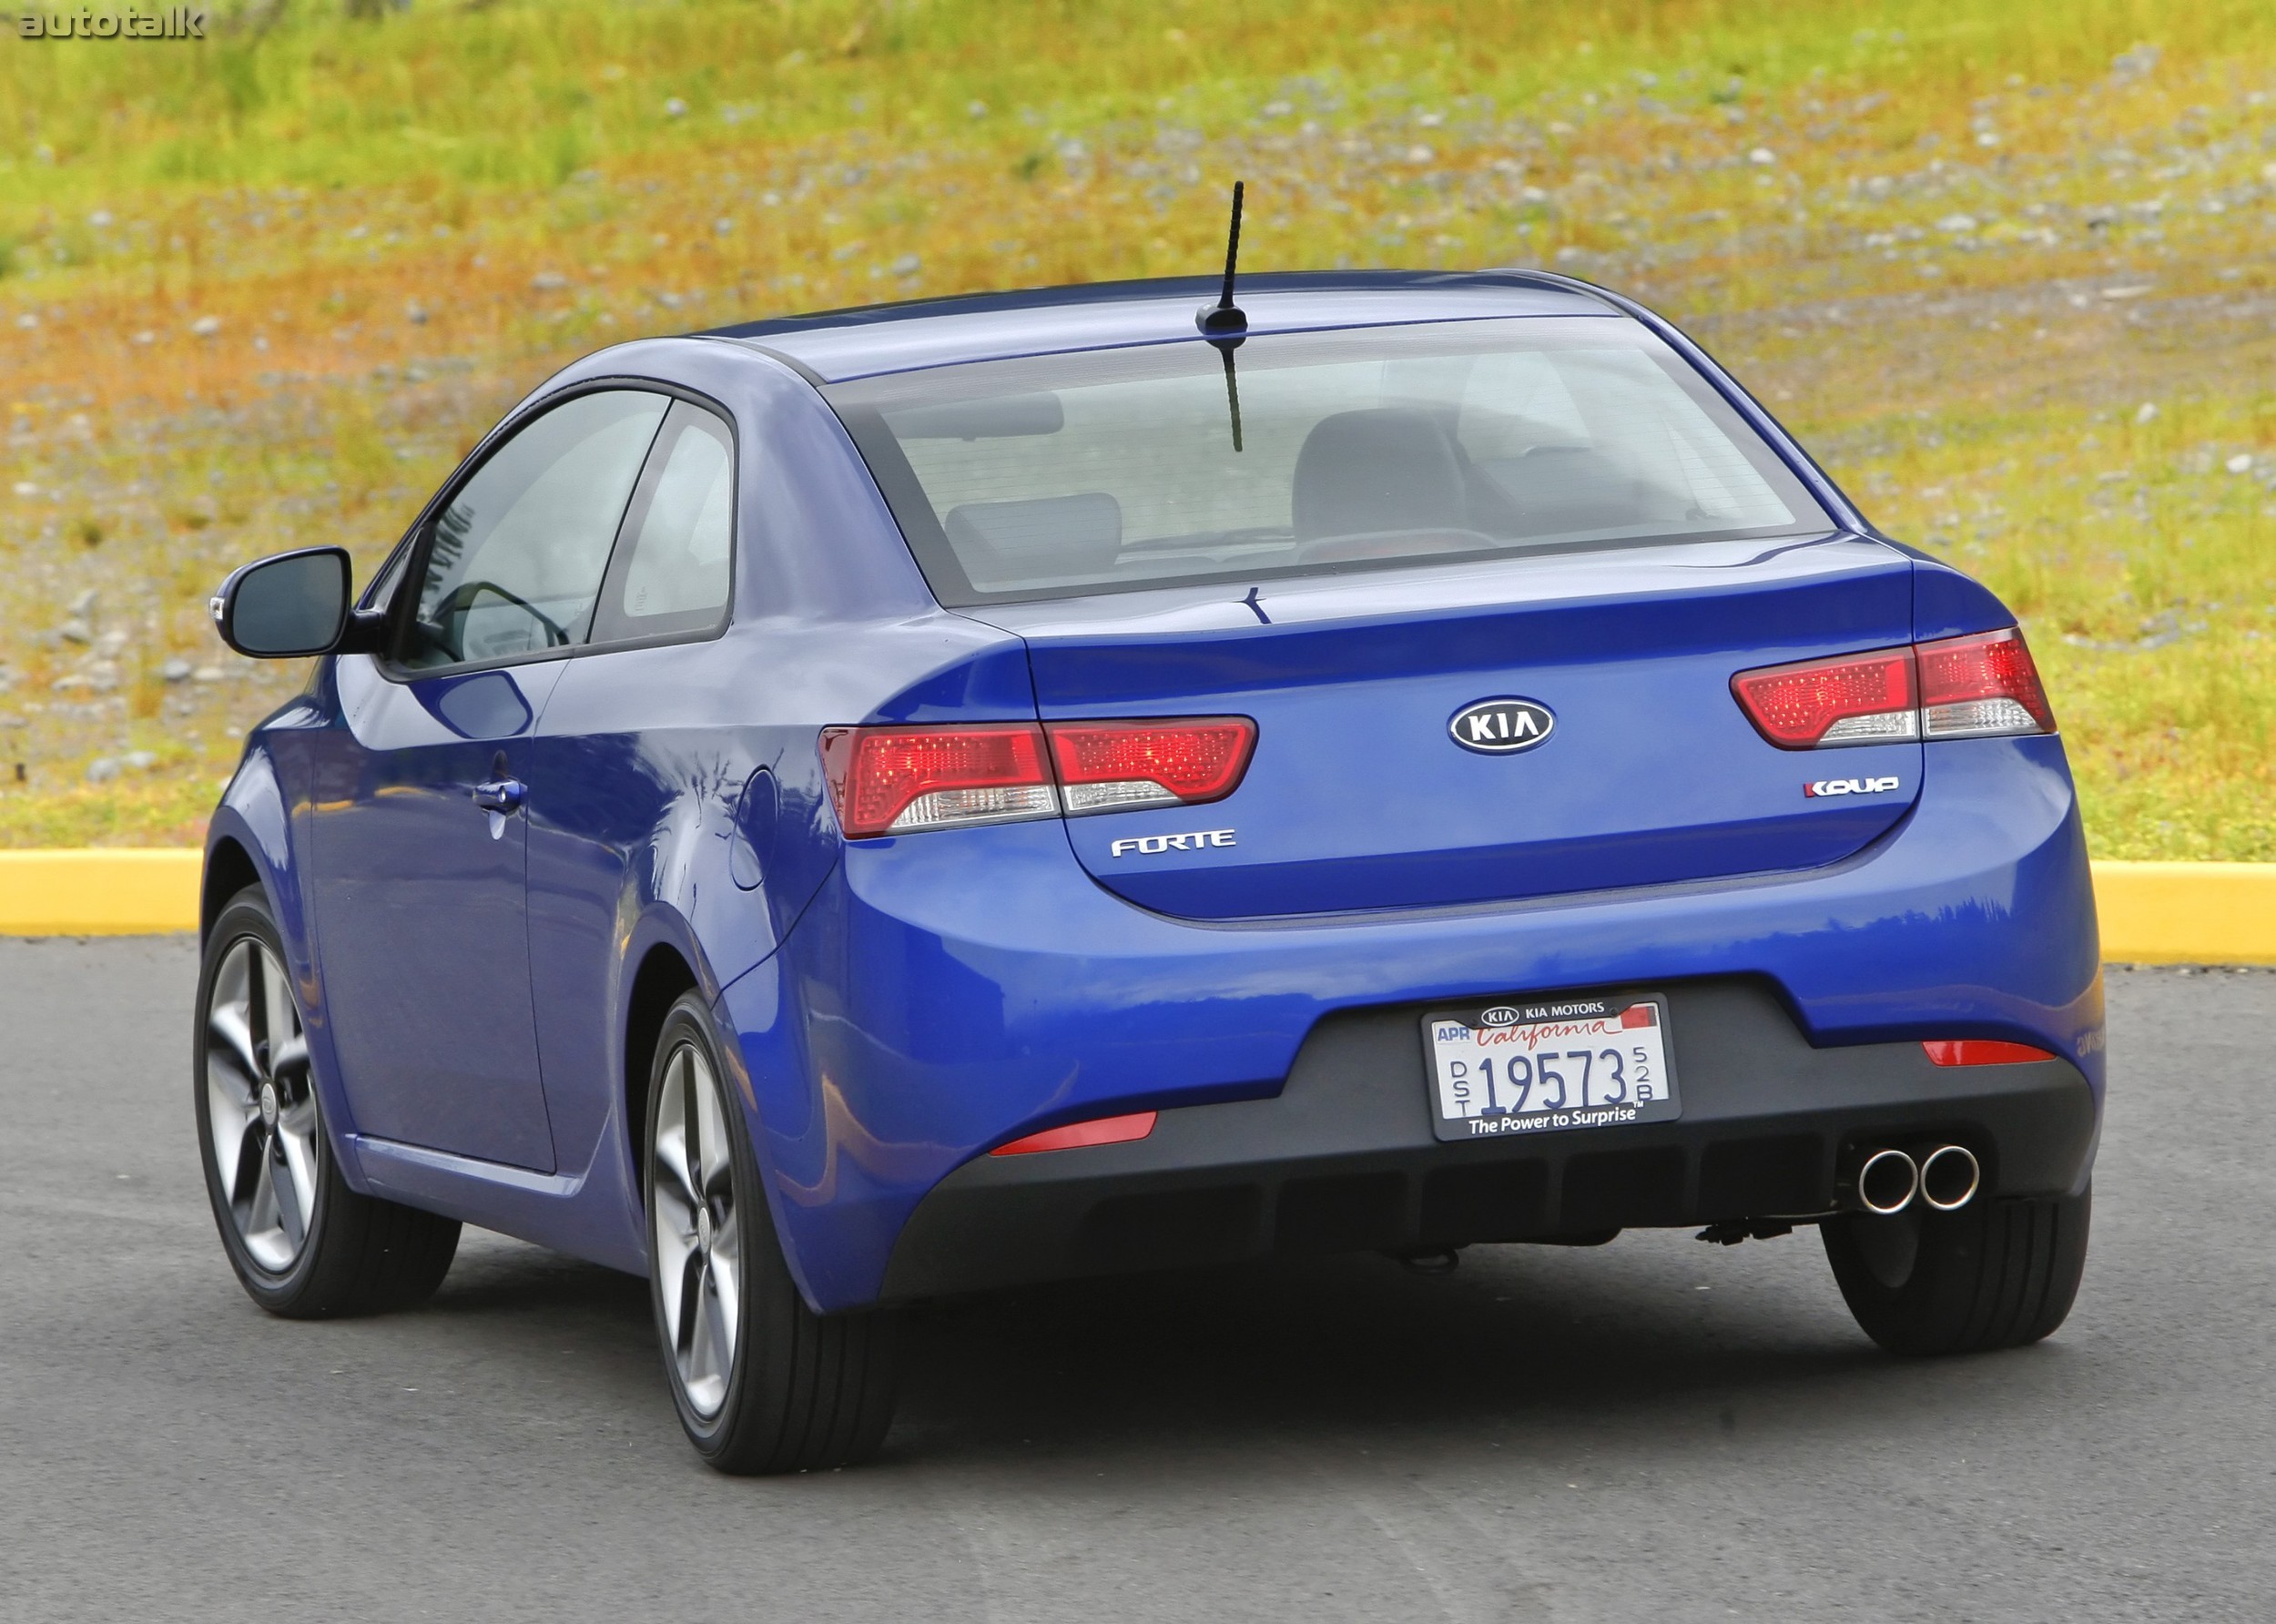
(2152, 913)
(2187, 913)
(99, 893)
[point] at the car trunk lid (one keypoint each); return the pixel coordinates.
(1359, 796)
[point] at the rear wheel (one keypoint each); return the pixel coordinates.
(1993, 1274)
(303, 1243)
(762, 1382)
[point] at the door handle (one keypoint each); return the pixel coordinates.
(502, 794)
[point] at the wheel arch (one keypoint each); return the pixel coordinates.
(248, 841)
(665, 961)
(664, 974)
(229, 869)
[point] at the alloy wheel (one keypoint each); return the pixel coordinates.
(697, 1232)
(260, 1109)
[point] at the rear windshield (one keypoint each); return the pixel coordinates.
(1113, 469)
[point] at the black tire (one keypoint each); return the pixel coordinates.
(1991, 1275)
(352, 1253)
(799, 1391)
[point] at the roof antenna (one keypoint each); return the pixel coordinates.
(1225, 323)
(1225, 317)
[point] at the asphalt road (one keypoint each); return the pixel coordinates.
(1655, 1429)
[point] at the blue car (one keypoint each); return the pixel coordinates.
(840, 811)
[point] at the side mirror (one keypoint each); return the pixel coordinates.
(292, 605)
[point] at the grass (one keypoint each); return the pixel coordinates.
(2007, 270)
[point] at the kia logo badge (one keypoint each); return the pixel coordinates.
(1501, 726)
(1499, 1015)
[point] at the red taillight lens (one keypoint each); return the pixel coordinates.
(1108, 766)
(1982, 1051)
(1961, 688)
(1857, 699)
(1979, 688)
(1114, 1129)
(898, 780)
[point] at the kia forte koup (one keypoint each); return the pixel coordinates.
(845, 810)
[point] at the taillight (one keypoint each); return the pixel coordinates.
(899, 780)
(1106, 766)
(1961, 688)
(1857, 699)
(902, 780)
(1982, 1051)
(1980, 687)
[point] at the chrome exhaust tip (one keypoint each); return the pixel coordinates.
(1949, 1177)
(1887, 1183)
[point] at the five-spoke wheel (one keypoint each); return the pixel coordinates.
(762, 1382)
(258, 1103)
(697, 1232)
(304, 1243)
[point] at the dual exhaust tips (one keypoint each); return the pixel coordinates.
(1887, 1182)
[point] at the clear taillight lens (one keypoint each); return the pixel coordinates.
(1857, 699)
(901, 780)
(1981, 686)
(1105, 766)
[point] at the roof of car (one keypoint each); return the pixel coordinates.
(836, 346)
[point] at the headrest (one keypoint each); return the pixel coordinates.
(1559, 489)
(1051, 536)
(1389, 468)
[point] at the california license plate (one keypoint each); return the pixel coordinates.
(1532, 1065)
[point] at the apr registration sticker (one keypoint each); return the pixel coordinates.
(1532, 1066)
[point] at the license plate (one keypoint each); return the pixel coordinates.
(1534, 1065)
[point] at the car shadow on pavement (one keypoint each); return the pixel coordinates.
(1355, 1343)
(494, 1274)
(1522, 1344)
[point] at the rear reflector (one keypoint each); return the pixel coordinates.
(1114, 1129)
(901, 780)
(1961, 688)
(1979, 688)
(898, 780)
(1982, 1051)
(1108, 766)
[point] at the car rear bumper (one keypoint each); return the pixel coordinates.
(1343, 1158)
(946, 994)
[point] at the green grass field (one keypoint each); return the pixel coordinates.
(2009, 270)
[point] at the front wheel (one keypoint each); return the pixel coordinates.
(304, 1244)
(1993, 1274)
(762, 1382)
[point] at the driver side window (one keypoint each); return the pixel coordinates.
(516, 559)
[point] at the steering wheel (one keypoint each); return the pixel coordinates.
(464, 595)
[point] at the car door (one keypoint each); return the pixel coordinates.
(419, 835)
(639, 755)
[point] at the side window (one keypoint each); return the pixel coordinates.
(672, 568)
(515, 563)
